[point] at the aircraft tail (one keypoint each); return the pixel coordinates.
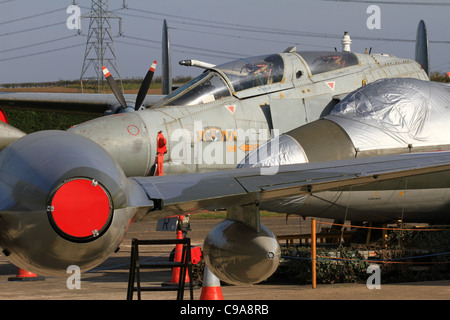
(422, 47)
(167, 72)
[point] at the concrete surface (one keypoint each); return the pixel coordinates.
(109, 281)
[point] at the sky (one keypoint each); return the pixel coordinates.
(37, 45)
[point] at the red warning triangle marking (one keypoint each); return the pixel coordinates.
(331, 84)
(231, 108)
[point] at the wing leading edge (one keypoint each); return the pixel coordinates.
(177, 194)
(85, 103)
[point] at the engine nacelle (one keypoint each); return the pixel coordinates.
(126, 138)
(237, 254)
(62, 201)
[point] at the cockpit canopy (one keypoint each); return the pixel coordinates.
(254, 72)
(207, 87)
(246, 73)
(323, 61)
(220, 82)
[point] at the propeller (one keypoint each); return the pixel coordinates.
(114, 87)
(144, 86)
(142, 90)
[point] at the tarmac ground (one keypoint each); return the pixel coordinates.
(109, 280)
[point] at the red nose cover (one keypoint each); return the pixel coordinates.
(80, 209)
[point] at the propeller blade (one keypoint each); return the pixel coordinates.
(114, 87)
(144, 86)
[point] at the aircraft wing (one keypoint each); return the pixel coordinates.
(49, 178)
(171, 195)
(85, 103)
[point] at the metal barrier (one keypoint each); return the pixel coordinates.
(322, 237)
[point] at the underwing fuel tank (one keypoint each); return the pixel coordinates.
(237, 254)
(62, 201)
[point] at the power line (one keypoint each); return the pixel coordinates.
(41, 52)
(37, 44)
(309, 34)
(199, 52)
(165, 15)
(33, 29)
(446, 4)
(206, 26)
(187, 47)
(203, 23)
(234, 36)
(32, 16)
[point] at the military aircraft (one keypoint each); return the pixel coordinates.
(212, 122)
(68, 200)
(225, 112)
(64, 200)
(390, 116)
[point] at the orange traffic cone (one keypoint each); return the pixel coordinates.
(211, 289)
(24, 275)
(177, 258)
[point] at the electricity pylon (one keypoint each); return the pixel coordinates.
(100, 44)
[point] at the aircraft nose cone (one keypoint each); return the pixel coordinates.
(125, 137)
(281, 150)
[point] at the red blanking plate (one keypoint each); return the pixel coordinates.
(80, 209)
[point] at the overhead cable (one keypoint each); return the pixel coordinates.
(406, 3)
(37, 44)
(203, 23)
(32, 16)
(32, 29)
(42, 52)
(187, 47)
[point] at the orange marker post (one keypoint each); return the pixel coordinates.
(313, 252)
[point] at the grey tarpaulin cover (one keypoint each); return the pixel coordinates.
(278, 151)
(396, 113)
(389, 114)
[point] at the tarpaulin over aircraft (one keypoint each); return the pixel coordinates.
(396, 113)
(400, 115)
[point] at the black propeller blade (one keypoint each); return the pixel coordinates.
(114, 87)
(118, 93)
(144, 86)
